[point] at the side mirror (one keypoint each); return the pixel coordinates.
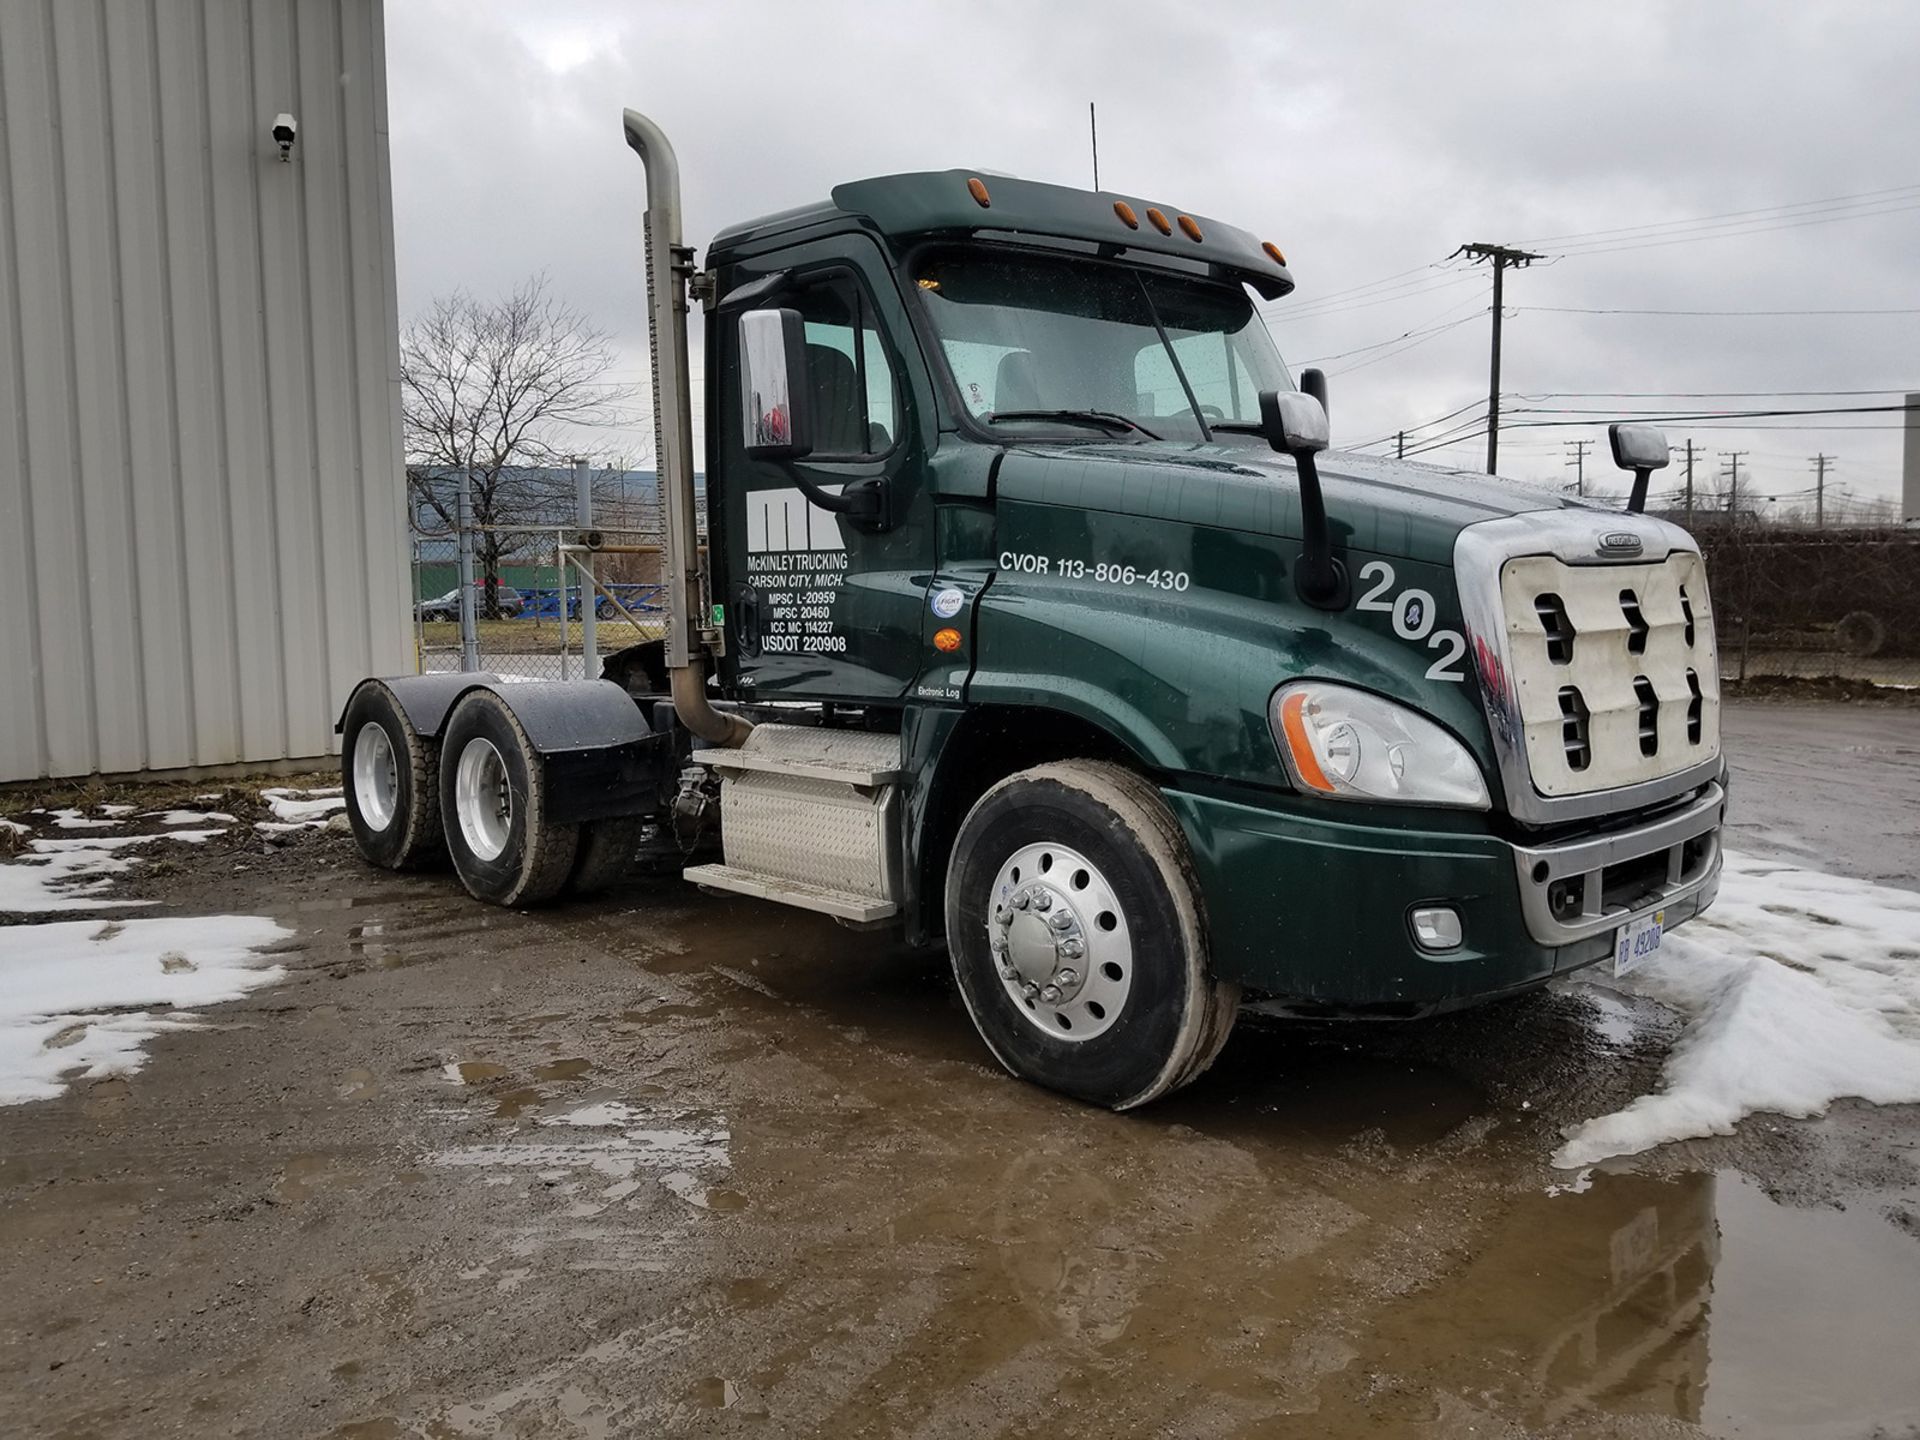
(1642, 449)
(1293, 422)
(776, 399)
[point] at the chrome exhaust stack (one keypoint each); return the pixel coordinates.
(669, 268)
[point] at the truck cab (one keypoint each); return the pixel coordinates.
(1037, 619)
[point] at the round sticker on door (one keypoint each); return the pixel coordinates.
(946, 603)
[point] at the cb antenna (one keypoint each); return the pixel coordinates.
(1093, 134)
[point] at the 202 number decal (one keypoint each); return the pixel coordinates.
(1412, 612)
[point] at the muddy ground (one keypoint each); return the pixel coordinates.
(670, 1164)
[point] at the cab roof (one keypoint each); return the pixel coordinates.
(961, 202)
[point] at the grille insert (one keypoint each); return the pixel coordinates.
(1552, 611)
(1575, 728)
(1686, 611)
(1637, 626)
(1643, 691)
(1695, 704)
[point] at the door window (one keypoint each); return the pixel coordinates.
(854, 412)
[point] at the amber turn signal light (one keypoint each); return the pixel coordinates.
(1273, 252)
(1188, 228)
(1159, 222)
(946, 641)
(1125, 212)
(977, 188)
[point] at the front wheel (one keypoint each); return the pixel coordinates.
(1078, 938)
(493, 806)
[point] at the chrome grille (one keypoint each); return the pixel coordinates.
(1599, 674)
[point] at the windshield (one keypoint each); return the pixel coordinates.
(1124, 349)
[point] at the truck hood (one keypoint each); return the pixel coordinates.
(1389, 507)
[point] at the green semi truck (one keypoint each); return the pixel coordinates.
(1030, 620)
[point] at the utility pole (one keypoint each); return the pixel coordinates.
(1400, 446)
(1502, 257)
(1689, 484)
(1579, 464)
(1093, 134)
(1733, 482)
(1820, 463)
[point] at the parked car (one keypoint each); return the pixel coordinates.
(447, 606)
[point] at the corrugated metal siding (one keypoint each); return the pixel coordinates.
(202, 522)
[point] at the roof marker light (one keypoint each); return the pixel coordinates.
(1189, 229)
(977, 188)
(1159, 222)
(1273, 252)
(1125, 212)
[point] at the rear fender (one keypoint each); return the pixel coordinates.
(599, 756)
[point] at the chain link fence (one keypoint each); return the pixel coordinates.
(531, 590)
(1829, 605)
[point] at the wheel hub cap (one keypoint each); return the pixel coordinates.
(1060, 942)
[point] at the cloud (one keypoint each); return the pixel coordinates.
(1366, 139)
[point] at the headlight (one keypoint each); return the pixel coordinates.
(1349, 745)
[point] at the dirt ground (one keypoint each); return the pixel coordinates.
(671, 1164)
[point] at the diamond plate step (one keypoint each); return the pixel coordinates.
(860, 908)
(850, 757)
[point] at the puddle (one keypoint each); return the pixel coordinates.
(473, 1072)
(1696, 1299)
(563, 1070)
(714, 1393)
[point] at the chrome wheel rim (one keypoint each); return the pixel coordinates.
(1060, 942)
(483, 799)
(376, 777)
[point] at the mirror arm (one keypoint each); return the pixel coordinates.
(1637, 501)
(863, 501)
(1319, 578)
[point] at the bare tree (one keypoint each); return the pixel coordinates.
(499, 393)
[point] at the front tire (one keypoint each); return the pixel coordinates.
(1078, 937)
(493, 804)
(390, 774)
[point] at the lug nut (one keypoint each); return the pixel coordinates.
(1061, 920)
(1068, 977)
(1020, 901)
(1030, 989)
(1051, 994)
(1043, 902)
(1072, 949)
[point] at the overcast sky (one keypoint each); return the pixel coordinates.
(1366, 140)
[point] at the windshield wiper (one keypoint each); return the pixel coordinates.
(1106, 419)
(1238, 427)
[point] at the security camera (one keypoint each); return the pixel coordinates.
(284, 127)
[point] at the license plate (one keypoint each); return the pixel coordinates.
(1634, 941)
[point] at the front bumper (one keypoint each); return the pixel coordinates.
(1315, 909)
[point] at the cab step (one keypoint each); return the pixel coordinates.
(810, 818)
(859, 909)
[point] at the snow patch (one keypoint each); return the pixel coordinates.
(303, 805)
(74, 993)
(80, 820)
(189, 817)
(1800, 988)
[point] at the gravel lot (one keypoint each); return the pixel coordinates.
(670, 1164)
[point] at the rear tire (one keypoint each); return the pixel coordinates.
(492, 807)
(1098, 984)
(606, 853)
(390, 774)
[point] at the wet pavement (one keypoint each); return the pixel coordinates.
(672, 1164)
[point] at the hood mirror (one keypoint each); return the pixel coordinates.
(1296, 424)
(1642, 449)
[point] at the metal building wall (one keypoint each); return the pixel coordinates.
(202, 521)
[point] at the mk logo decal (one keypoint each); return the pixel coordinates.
(781, 520)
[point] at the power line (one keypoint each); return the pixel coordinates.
(1734, 234)
(1694, 394)
(1744, 314)
(1864, 197)
(1394, 340)
(1423, 336)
